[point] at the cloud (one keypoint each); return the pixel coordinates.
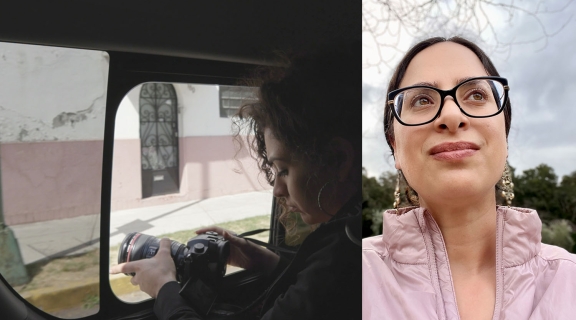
(543, 91)
(375, 151)
(543, 85)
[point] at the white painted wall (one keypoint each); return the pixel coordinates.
(127, 124)
(198, 113)
(49, 93)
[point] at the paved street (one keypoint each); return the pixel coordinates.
(49, 239)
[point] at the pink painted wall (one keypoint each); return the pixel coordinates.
(207, 169)
(50, 180)
(210, 168)
(61, 179)
(126, 176)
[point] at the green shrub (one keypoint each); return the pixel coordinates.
(558, 233)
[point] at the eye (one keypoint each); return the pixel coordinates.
(421, 101)
(477, 95)
(275, 174)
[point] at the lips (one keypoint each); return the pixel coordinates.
(454, 150)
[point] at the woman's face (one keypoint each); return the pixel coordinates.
(296, 181)
(456, 176)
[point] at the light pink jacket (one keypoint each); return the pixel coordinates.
(406, 273)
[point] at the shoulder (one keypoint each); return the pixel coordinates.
(375, 260)
(554, 283)
(556, 271)
(559, 255)
(329, 244)
(323, 276)
(330, 234)
(374, 245)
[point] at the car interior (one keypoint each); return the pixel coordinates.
(195, 47)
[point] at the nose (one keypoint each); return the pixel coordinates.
(451, 117)
(279, 189)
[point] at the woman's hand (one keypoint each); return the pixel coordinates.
(245, 254)
(151, 274)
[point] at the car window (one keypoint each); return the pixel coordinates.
(177, 167)
(52, 111)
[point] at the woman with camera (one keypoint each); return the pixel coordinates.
(455, 253)
(304, 132)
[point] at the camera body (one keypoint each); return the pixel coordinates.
(204, 256)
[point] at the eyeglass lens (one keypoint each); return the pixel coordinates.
(481, 97)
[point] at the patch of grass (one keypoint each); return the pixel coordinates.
(238, 226)
(91, 301)
(58, 272)
(81, 262)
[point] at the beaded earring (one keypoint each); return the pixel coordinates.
(506, 185)
(404, 195)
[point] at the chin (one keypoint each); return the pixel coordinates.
(309, 219)
(306, 218)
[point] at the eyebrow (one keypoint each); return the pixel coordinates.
(435, 84)
(459, 81)
(428, 84)
(270, 161)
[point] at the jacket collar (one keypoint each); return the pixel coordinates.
(352, 207)
(404, 232)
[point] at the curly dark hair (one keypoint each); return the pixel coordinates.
(308, 101)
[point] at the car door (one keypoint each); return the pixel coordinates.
(81, 171)
(213, 193)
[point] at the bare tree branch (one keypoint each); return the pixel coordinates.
(386, 22)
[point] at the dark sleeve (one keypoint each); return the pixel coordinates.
(170, 305)
(282, 264)
(328, 287)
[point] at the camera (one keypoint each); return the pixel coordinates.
(203, 257)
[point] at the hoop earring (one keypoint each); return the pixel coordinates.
(320, 195)
(507, 186)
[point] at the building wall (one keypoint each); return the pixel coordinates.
(50, 180)
(209, 165)
(52, 108)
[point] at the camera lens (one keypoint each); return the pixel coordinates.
(137, 246)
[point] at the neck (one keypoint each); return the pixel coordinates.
(469, 231)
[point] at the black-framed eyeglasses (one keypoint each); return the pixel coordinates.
(479, 97)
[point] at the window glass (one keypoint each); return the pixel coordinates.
(177, 168)
(232, 97)
(52, 107)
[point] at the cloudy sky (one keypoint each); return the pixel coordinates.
(537, 54)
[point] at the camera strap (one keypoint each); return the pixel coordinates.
(262, 243)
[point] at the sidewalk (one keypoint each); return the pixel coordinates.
(44, 241)
(51, 239)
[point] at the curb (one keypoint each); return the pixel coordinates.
(75, 294)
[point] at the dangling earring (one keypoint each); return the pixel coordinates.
(411, 196)
(506, 185)
(397, 193)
